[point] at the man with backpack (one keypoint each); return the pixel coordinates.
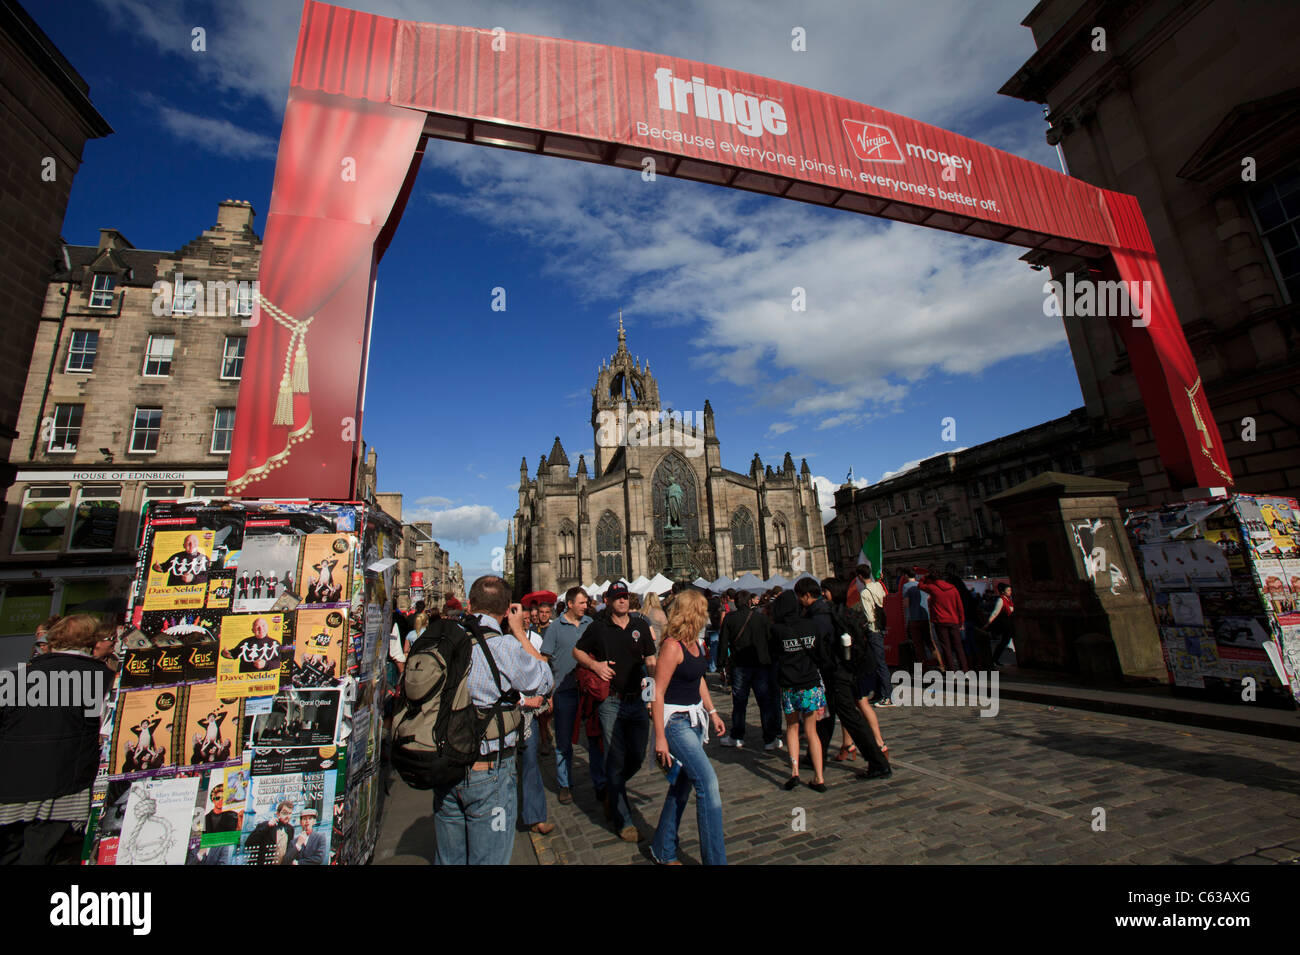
(475, 817)
(840, 675)
(745, 655)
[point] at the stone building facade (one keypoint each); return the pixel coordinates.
(48, 117)
(120, 405)
(657, 499)
(1194, 107)
(934, 515)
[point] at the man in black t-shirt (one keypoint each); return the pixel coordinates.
(258, 653)
(618, 647)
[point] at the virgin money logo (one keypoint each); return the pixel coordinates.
(873, 142)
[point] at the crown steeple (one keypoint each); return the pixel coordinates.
(623, 387)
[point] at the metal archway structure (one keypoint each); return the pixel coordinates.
(368, 91)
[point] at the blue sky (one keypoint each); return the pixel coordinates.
(904, 327)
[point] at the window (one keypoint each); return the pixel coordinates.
(223, 427)
(876, 508)
(185, 297)
(911, 536)
(232, 358)
(81, 352)
(782, 534)
(44, 519)
(67, 428)
(744, 549)
(609, 547)
(907, 500)
(893, 534)
(938, 496)
(1275, 204)
(164, 492)
(145, 430)
(94, 525)
(980, 530)
(101, 291)
(158, 356)
(925, 533)
(244, 300)
(568, 560)
(209, 490)
(943, 530)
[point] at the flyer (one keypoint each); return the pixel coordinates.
(300, 718)
(145, 731)
(327, 568)
(1280, 520)
(249, 661)
(288, 820)
(222, 821)
(1228, 540)
(213, 726)
(159, 816)
(319, 637)
(179, 564)
(276, 760)
(268, 566)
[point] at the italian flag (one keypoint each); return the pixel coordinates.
(873, 552)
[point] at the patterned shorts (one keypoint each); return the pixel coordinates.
(804, 702)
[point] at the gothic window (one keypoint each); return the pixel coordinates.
(744, 550)
(782, 534)
(609, 547)
(568, 552)
(675, 469)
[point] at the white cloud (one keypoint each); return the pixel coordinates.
(464, 524)
(778, 428)
(218, 136)
(432, 501)
(826, 489)
(911, 465)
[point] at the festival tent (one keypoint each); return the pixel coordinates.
(776, 580)
(699, 582)
(802, 576)
(722, 583)
(640, 585)
(749, 581)
(659, 585)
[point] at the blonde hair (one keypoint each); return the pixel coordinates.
(652, 602)
(687, 617)
(77, 632)
(421, 621)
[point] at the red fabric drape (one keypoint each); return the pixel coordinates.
(341, 166)
(1186, 433)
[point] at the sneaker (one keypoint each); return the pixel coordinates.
(565, 796)
(882, 703)
(775, 744)
(726, 740)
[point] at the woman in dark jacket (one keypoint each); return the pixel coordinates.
(800, 658)
(49, 754)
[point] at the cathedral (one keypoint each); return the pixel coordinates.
(658, 500)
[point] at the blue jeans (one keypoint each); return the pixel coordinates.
(533, 807)
(475, 819)
(711, 637)
(686, 743)
(566, 711)
(627, 730)
(763, 682)
(884, 687)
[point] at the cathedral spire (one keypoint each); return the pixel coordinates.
(622, 335)
(558, 456)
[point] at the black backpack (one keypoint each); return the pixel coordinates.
(862, 659)
(438, 729)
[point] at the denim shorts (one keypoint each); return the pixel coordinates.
(804, 702)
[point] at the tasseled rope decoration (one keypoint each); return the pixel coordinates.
(294, 381)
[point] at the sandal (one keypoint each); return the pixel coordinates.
(817, 787)
(850, 753)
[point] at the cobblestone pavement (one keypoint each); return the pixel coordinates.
(1020, 787)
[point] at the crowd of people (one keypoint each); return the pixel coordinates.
(629, 676)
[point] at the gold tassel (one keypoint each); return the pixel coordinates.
(300, 367)
(284, 403)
